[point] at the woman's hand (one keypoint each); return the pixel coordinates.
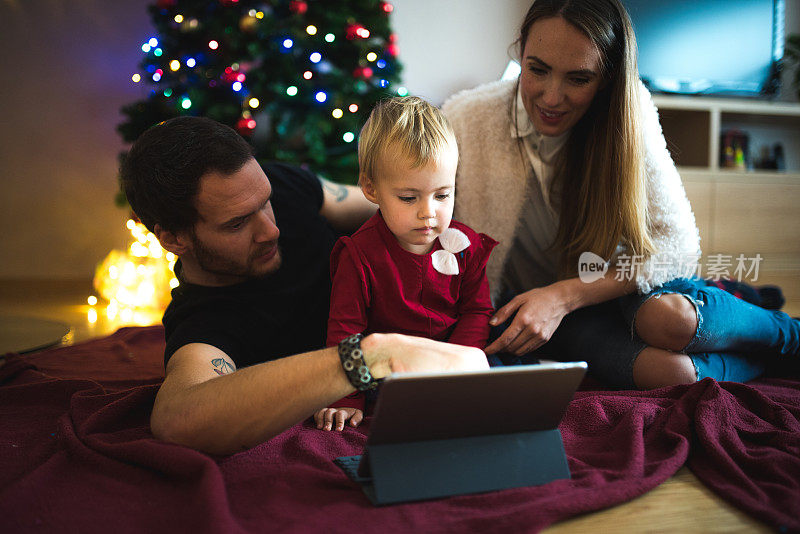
(538, 314)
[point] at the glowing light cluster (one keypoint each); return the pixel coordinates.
(140, 277)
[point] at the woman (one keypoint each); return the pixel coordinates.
(570, 159)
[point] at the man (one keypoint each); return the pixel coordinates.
(253, 246)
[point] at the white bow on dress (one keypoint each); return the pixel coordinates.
(453, 241)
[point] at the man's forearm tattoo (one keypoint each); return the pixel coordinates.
(338, 191)
(221, 367)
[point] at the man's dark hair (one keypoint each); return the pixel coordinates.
(161, 172)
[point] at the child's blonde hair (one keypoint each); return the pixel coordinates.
(418, 131)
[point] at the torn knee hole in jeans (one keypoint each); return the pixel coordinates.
(697, 304)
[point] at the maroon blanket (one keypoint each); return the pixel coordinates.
(76, 455)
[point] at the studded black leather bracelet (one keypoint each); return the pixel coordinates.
(354, 365)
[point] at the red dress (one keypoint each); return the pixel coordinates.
(378, 286)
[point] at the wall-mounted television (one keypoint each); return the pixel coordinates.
(710, 47)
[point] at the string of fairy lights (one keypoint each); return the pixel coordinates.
(140, 277)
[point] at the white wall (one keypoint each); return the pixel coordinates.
(449, 45)
(65, 72)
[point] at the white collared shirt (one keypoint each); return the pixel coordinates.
(530, 264)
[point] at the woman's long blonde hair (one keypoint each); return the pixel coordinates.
(601, 169)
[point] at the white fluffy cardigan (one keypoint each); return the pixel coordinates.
(493, 180)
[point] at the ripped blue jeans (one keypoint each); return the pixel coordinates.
(735, 340)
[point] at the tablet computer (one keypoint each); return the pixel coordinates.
(500, 400)
(423, 421)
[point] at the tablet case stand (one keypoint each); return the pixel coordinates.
(412, 471)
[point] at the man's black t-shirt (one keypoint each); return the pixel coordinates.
(281, 314)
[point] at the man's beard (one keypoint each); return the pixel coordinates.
(212, 262)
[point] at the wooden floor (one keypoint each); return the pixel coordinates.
(681, 504)
(66, 301)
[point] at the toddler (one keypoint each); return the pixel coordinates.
(410, 269)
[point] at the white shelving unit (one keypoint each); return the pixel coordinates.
(752, 211)
(693, 122)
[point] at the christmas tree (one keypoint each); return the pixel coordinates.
(295, 78)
